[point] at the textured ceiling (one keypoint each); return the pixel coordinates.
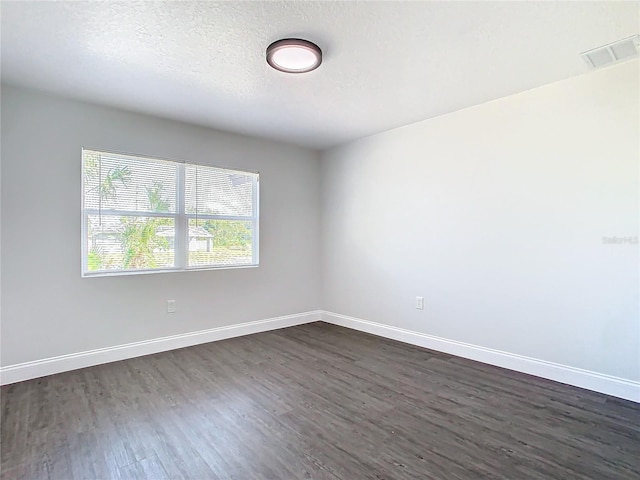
(386, 64)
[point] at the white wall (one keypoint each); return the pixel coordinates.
(48, 310)
(495, 214)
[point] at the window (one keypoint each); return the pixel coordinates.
(143, 215)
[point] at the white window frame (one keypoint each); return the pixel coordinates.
(181, 219)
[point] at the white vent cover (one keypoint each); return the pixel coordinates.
(624, 49)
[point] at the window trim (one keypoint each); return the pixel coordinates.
(180, 217)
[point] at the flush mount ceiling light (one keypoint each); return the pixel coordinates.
(294, 55)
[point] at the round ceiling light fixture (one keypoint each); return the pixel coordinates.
(294, 55)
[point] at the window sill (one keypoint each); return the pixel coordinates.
(120, 273)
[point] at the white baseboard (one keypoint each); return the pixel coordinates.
(64, 363)
(598, 382)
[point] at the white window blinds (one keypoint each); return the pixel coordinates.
(143, 215)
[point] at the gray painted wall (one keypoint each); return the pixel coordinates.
(48, 310)
(496, 215)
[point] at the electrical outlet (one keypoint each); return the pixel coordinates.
(420, 303)
(171, 306)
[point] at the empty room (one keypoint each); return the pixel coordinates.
(320, 240)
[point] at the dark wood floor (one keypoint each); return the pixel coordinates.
(314, 401)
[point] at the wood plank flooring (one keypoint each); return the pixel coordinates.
(314, 401)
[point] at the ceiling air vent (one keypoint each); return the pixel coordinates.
(624, 49)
